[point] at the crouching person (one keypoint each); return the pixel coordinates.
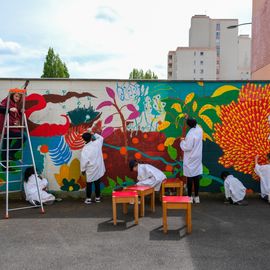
(235, 191)
(31, 189)
(148, 175)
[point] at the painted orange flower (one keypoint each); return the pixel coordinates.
(245, 129)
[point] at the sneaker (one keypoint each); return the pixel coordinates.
(58, 199)
(88, 201)
(98, 200)
(197, 199)
(191, 199)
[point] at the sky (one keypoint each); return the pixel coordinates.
(102, 39)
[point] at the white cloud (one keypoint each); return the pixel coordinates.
(9, 47)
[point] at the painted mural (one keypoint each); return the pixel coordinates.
(145, 120)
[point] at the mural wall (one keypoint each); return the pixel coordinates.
(145, 120)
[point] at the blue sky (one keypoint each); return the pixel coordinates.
(102, 38)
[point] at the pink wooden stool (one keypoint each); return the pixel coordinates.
(176, 202)
(142, 192)
(172, 183)
(125, 197)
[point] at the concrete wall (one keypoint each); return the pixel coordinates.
(144, 120)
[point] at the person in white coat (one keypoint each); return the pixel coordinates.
(263, 171)
(92, 164)
(192, 146)
(31, 189)
(235, 191)
(148, 175)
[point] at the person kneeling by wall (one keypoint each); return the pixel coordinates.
(235, 191)
(31, 189)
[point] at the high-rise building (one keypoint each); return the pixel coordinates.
(214, 53)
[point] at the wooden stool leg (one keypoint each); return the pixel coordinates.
(142, 206)
(125, 208)
(188, 218)
(153, 201)
(136, 211)
(164, 211)
(114, 211)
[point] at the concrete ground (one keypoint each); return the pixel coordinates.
(72, 235)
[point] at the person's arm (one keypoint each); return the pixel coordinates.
(84, 162)
(227, 190)
(257, 166)
(187, 143)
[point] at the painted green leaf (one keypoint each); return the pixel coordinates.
(129, 181)
(119, 181)
(106, 191)
(172, 152)
(204, 182)
(168, 173)
(112, 183)
(222, 189)
(205, 170)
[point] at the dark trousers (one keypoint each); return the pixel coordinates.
(89, 189)
(13, 148)
(193, 180)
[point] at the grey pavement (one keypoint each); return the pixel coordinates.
(72, 235)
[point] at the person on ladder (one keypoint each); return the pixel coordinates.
(14, 120)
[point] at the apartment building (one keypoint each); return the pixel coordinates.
(214, 53)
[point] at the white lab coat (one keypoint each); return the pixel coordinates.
(31, 191)
(234, 189)
(192, 146)
(263, 171)
(149, 175)
(92, 159)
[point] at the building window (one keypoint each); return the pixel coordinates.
(218, 27)
(217, 71)
(194, 71)
(201, 71)
(201, 62)
(217, 35)
(201, 79)
(201, 53)
(170, 57)
(194, 62)
(218, 62)
(194, 53)
(218, 51)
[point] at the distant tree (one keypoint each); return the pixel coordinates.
(54, 67)
(139, 74)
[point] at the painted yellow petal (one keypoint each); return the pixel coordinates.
(206, 136)
(194, 106)
(206, 107)
(74, 169)
(200, 83)
(177, 107)
(207, 121)
(59, 179)
(169, 141)
(223, 89)
(189, 97)
(163, 125)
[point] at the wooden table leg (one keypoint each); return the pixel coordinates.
(153, 201)
(114, 211)
(188, 218)
(164, 211)
(142, 206)
(136, 211)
